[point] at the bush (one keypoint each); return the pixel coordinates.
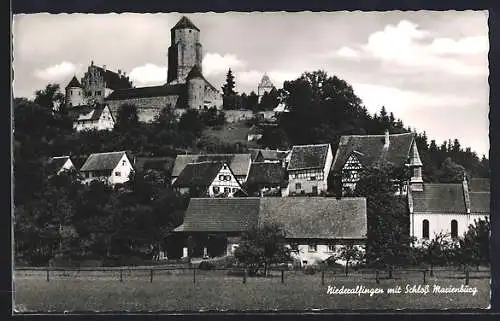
(205, 265)
(62, 262)
(131, 261)
(91, 263)
(310, 270)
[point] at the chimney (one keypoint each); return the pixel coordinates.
(92, 62)
(465, 186)
(386, 139)
(124, 74)
(119, 72)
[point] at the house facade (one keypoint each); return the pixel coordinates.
(112, 168)
(266, 179)
(316, 227)
(213, 179)
(308, 169)
(60, 164)
(239, 163)
(358, 152)
(97, 117)
(447, 208)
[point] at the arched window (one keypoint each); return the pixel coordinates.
(454, 229)
(425, 229)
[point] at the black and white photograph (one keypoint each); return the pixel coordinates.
(250, 161)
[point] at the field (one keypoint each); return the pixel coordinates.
(216, 291)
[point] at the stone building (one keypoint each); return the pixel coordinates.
(185, 85)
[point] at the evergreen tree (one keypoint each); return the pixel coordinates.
(228, 93)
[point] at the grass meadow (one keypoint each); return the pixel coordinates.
(172, 291)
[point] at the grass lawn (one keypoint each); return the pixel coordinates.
(214, 290)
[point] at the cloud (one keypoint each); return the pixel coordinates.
(347, 53)
(149, 74)
(56, 72)
(406, 45)
(216, 64)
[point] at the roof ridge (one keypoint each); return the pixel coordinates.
(308, 145)
(60, 156)
(109, 153)
(382, 135)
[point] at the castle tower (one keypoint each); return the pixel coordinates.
(74, 93)
(415, 164)
(195, 89)
(185, 51)
(265, 85)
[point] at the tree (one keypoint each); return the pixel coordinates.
(450, 172)
(261, 247)
(252, 101)
(474, 246)
(387, 217)
(350, 253)
(435, 251)
(228, 93)
(50, 97)
(127, 118)
(269, 100)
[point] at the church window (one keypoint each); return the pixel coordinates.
(454, 229)
(425, 229)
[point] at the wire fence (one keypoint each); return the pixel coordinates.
(196, 275)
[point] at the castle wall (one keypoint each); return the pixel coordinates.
(147, 107)
(212, 97)
(74, 97)
(196, 93)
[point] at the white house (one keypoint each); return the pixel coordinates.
(447, 208)
(316, 227)
(208, 179)
(112, 167)
(92, 117)
(239, 163)
(60, 164)
(308, 169)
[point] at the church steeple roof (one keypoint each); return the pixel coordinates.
(265, 81)
(74, 83)
(185, 23)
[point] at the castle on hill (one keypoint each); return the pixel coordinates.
(185, 86)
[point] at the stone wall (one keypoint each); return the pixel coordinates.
(147, 107)
(212, 97)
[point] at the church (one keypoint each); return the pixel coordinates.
(185, 86)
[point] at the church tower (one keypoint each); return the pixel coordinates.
(416, 181)
(185, 51)
(74, 93)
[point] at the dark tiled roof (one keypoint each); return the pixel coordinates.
(301, 217)
(316, 217)
(370, 149)
(260, 155)
(55, 163)
(220, 215)
(86, 113)
(479, 202)
(74, 83)
(308, 156)
(156, 163)
(239, 163)
(183, 23)
(142, 92)
(113, 80)
(102, 161)
(439, 198)
(479, 184)
(78, 161)
(266, 174)
(198, 174)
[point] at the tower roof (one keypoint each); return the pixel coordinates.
(265, 81)
(185, 23)
(195, 73)
(74, 83)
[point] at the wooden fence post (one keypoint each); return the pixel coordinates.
(151, 276)
(244, 276)
(323, 277)
(282, 276)
(425, 272)
(48, 275)
(376, 277)
(466, 276)
(121, 274)
(194, 274)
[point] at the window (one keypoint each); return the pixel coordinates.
(315, 189)
(221, 177)
(227, 190)
(98, 93)
(118, 174)
(313, 178)
(331, 247)
(454, 229)
(312, 247)
(216, 189)
(294, 246)
(425, 229)
(123, 162)
(225, 166)
(228, 177)
(298, 186)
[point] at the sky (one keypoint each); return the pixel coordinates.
(429, 68)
